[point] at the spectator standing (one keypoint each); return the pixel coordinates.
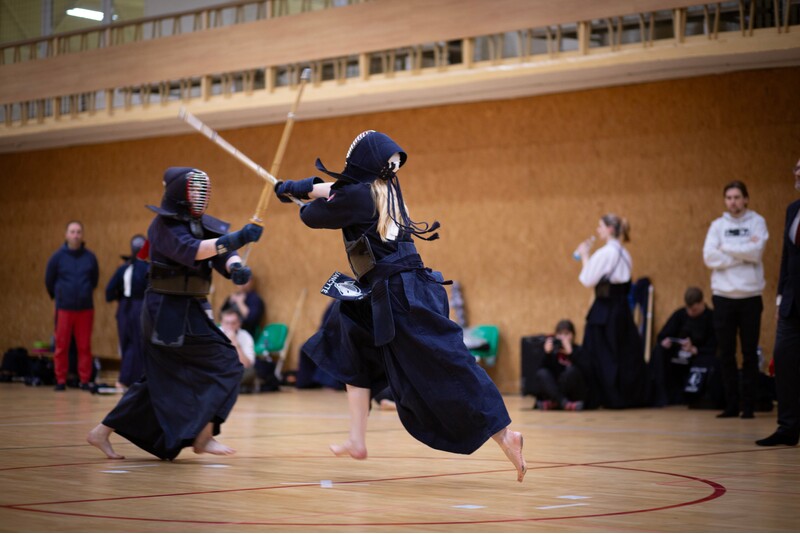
(732, 250)
(71, 278)
(127, 286)
(787, 336)
(611, 342)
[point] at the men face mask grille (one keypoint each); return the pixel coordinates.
(198, 191)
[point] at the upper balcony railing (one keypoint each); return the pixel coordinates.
(147, 28)
(529, 45)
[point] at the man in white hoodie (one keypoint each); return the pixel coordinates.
(733, 249)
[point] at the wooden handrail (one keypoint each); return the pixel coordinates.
(315, 39)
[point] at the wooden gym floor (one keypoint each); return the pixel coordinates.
(649, 470)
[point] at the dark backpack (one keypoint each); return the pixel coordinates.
(16, 363)
(42, 372)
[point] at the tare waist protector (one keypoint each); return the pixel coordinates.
(179, 280)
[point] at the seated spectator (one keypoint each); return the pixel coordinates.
(250, 305)
(686, 339)
(560, 382)
(242, 341)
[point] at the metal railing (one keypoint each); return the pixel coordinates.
(528, 45)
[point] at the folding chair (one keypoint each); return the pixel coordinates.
(271, 344)
(485, 354)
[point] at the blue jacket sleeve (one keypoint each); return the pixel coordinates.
(113, 288)
(51, 275)
(95, 271)
(784, 270)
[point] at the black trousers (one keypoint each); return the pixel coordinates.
(787, 372)
(570, 385)
(742, 317)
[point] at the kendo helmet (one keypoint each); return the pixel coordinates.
(368, 158)
(186, 191)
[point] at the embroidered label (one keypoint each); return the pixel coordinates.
(341, 287)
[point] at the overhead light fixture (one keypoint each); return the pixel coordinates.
(85, 13)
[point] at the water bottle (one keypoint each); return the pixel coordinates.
(577, 255)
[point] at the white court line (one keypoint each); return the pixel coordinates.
(216, 466)
(324, 483)
(573, 497)
(561, 506)
(469, 506)
(115, 471)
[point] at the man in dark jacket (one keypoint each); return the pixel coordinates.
(687, 339)
(787, 336)
(71, 278)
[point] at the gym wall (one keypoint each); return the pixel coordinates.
(516, 185)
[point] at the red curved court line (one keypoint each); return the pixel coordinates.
(718, 491)
(696, 455)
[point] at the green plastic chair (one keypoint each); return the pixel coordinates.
(271, 344)
(491, 334)
(271, 339)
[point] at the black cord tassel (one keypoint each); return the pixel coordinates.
(418, 229)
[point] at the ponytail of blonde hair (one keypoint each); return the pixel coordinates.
(380, 194)
(620, 226)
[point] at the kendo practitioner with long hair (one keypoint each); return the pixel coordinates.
(393, 323)
(192, 372)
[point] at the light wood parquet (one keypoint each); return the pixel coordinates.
(671, 470)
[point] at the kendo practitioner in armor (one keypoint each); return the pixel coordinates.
(192, 372)
(393, 320)
(128, 286)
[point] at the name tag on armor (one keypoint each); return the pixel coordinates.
(341, 287)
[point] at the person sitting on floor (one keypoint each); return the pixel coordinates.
(560, 382)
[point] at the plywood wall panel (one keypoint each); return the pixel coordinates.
(516, 185)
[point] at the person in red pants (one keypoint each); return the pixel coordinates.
(71, 278)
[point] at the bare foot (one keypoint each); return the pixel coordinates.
(98, 437)
(388, 405)
(357, 452)
(213, 446)
(511, 443)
